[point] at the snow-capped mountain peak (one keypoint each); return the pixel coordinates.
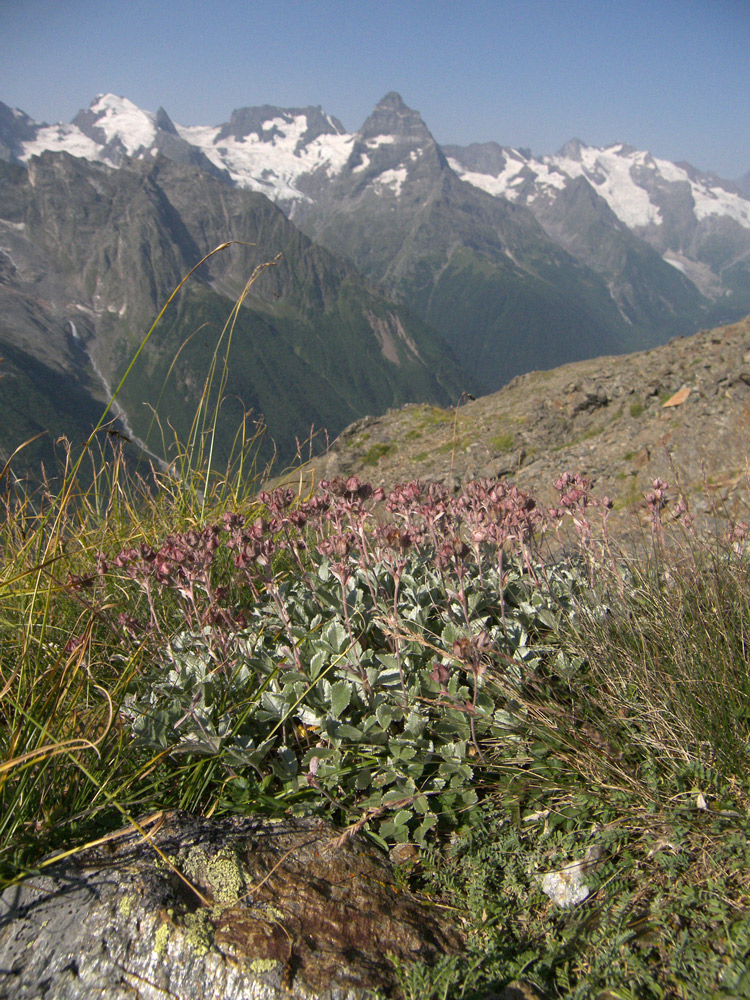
(272, 149)
(116, 119)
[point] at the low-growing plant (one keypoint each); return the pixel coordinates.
(636, 408)
(377, 451)
(356, 662)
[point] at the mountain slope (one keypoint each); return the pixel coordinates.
(518, 261)
(697, 223)
(680, 412)
(102, 250)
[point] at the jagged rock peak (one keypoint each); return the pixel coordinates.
(164, 122)
(267, 121)
(572, 149)
(391, 116)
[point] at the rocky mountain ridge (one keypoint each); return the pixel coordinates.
(647, 249)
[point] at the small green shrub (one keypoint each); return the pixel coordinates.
(359, 682)
(502, 442)
(435, 415)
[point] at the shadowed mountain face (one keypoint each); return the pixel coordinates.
(91, 254)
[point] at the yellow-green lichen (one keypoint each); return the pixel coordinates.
(161, 937)
(222, 872)
(199, 931)
(126, 905)
(263, 964)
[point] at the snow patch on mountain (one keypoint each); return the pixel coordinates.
(272, 166)
(393, 179)
(622, 176)
(364, 163)
(626, 178)
(514, 173)
(61, 139)
(610, 172)
(109, 120)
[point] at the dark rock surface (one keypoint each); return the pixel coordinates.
(227, 909)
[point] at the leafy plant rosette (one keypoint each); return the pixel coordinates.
(357, 662)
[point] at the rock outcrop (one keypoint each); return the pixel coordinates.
(228, 909)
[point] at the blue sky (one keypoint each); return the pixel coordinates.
(672, 76)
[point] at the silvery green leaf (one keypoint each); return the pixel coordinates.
(318, 662)
(340, 696)
(428, 823)
(401, 751)
(368, 723)
(507, 720)
(384, 715)
(336, 636)
(363, 779)
(414, 613)
(331, 727)
(402, 817)
(285, 764)
(391, 830)
(349, 732)
(308, 716)
(274, 703)
(320, 752)
(416, 723)
(450, 633)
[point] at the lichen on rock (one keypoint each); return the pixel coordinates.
(246, 907)
(221, 873)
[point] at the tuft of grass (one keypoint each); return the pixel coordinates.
(67, 765)
(377, 451)
(636, 409)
